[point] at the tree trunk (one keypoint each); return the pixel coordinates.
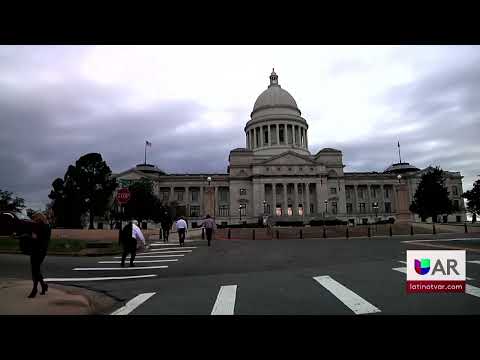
(91, 220)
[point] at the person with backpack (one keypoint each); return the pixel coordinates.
(209, 225)
(131, 233)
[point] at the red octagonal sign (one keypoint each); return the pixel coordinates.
(123, 195)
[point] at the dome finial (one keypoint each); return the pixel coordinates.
(273, 78)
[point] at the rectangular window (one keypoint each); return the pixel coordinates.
(333, 191)
(224, 210)
(278, 211)
(296, 136)
(349, 208)
(243, 191)
(387, 193)
(195, 194)
(257, 137)
(312, 209)
(265, 135)
(243, 210)
(334, 207)
(360, 193)
(179, 195)
(289, 134)
(289, 211)
(300, 210)
(273, 134)
(388, 207)
(164, 195)
(194, 211)
(347, 194)
(281, 134)
(362, 207)
(223, 193)
(374, 191)
(455, 190)
(456, 205)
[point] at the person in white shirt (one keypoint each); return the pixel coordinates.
(131, 233)
(138, 235)
(181, 226)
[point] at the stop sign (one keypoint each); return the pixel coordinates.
(123, 195)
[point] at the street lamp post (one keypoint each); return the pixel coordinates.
(399, 177)
(375, 208)
(326, 210)
(240, 212)
(264, 207)
(209, 180)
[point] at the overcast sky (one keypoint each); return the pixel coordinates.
(192, 102)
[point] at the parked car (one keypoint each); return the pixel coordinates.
(14, 223)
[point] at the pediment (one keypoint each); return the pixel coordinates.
(289, 158)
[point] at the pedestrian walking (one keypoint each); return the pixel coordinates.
(181, 226)
(209, 225)
(166, 223)
(38, 247)
(131, 234)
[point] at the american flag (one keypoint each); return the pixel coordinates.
(148, 143)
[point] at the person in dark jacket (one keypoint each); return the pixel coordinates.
(129, 244)
(166, 223)
(40, 239)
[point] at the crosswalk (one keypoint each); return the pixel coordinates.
(347, 294)
(158, 257)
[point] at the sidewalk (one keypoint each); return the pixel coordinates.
(59, 300)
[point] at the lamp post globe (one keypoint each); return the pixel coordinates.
(399, 177)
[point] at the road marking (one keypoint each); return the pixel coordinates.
(175, 248)
(403, 262)
(139, 261)
(149, 256)
(404, 270)
(354, 302)
(162, 244)
(440, 240)
(472, 290)
(225, 303)
(401, 269)
(133, 304)
(126, 268)
(100, 278)
(474, 262)
(166, 252)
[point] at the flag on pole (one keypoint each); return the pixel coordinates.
(148, 143)
(399, 144)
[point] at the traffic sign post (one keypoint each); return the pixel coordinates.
(123, 196)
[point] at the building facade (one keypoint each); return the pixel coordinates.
(275, 175)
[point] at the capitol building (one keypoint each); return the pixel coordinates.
(275, 175)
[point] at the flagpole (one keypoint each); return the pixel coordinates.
(399, 154)
(145, 153)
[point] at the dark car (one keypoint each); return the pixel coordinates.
(14, 223)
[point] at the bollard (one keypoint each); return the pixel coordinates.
(229, 234)
(253, 234)
(278, 235)
(391, 233)
(348, 234)
(433, 229)
(324, 233)
(369, 232)
(411, 230)
(301, 234)
(466, 230)
(203, 233)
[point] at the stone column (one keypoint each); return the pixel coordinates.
(319, 197)
(171, 194)
(215, 202)
(368, 204)
(187, 201)
(295, 199)
(260, 129)
(202, 207)
(355, 205)
(285, 200)
(306, 139)
(277, 127)
(381, 209)
(274, 199)
(307, 193)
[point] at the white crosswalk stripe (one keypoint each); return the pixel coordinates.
(474, 262)
(133, 304)
(99, 278)
(225, 303)
(150, 256)
(166, 252)
(354, 302)
(472, 290)
(139, 261)
(122, 268)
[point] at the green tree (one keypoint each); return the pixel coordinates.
(86, 188)
(10, 203)
(143, 204)
(473, 198)
(431, 198)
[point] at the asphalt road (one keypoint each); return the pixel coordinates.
(279, 277)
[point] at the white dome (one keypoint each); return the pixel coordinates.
(275, 97)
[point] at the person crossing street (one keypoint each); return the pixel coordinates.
(209, 225)
(181, 226)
